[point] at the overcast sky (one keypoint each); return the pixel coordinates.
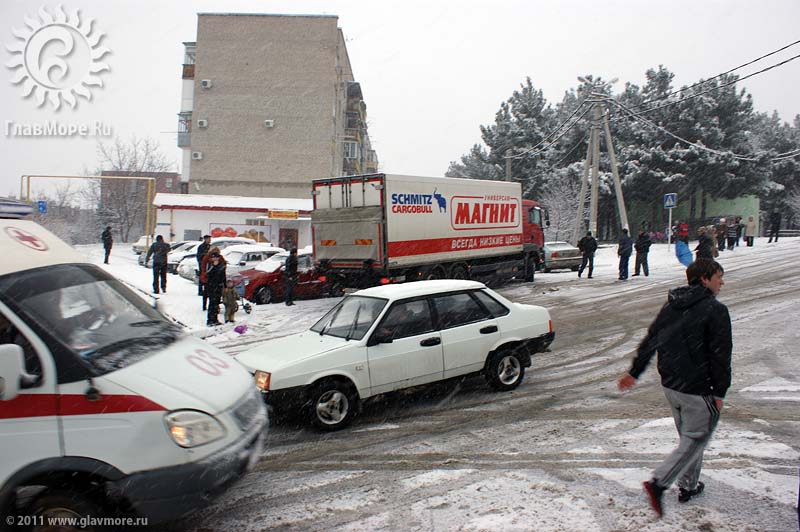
(431, 72)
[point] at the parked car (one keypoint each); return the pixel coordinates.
(140, 246)
(175, 257)
(238, 257)
(561, 255)
(396, 336)
(265, 283)
(173, 246)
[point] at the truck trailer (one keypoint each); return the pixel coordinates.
(384, 228)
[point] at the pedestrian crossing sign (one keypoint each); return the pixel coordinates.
(670, 200)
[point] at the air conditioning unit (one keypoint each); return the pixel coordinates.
(202, 123)
(197, 155)
(206, 83)
(269, 123)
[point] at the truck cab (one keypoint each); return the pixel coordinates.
(106, 406)
(533, 223)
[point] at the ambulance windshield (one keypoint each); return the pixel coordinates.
(91, 313)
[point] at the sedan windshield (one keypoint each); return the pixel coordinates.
(351, 318)
(92, 314)
(272, 264)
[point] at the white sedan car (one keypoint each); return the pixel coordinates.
(397, 336)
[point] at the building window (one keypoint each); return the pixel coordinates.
(351, 150)
(168, 182)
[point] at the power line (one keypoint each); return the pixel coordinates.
(530, 151)
(667, 95)
(554, 131)
(721, 86)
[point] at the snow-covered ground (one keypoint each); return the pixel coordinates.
(565, 451)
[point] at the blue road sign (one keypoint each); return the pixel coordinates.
(670, 200)
(41, 205)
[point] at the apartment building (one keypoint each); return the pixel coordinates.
(269, 103)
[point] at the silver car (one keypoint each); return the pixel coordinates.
(561, 255)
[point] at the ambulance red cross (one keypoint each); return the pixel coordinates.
(106, 406)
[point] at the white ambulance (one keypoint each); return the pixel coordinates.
(106, 407)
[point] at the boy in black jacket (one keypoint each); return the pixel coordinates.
(692, 335)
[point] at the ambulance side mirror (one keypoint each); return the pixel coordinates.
(11, 370)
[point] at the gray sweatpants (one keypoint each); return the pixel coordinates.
(696, 417)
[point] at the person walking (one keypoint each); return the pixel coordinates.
(214, 276)
(774, 225)
(290, 276)
(705, 244)
(159, 251)
(722, 230)
(230, 299)
(692, 336)
(624, 251)
(732, 235)
(683, 232)
(750, 231)
(642, 247)
(202, 251)
(108, 242)
(587, 245)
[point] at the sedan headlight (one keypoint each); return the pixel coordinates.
(262, 380)
(190, 428)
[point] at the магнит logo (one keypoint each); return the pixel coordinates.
(57, 58)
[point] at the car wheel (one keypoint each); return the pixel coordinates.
(459, 272)
(62, 504)
(505, 371)
(263, 296)
(332, 405)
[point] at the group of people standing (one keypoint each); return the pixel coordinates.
(213, 285)
(588, 246)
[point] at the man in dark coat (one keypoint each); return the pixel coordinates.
(692, 335)
(624, 251)
(587, 245)
(705, 245)
(774, 225)
(159, 251)
(108, 241)
(642, 247)
(202, 251)
(290, 276)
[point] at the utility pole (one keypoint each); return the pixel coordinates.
(508, 165)
(600, 120)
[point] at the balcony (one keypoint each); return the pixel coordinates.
(352, 134)
(188, 71)
(184, 139)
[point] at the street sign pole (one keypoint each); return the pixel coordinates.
(670, 200)
(669, 231)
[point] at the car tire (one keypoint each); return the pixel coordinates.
(263, 296)
(64, 503)
(332, 405)
(459, 272)
(545, 269)
(505, 371)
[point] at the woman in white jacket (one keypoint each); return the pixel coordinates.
(750, 231)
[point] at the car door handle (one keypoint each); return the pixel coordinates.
(427, 342)
(489, 330)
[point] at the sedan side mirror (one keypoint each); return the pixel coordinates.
(381, 336)
(11, 371)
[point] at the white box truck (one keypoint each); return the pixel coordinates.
(382, 228)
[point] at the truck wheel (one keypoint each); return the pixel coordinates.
(335, 289)
(62, 503)
(505, 371)
(263, 296)
(435, 273)
(459, 272)
(530, 269)
(332, 405)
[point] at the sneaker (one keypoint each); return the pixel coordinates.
(686, 495)
(590, 277)
(654, 494)
(212, 323)
(579, 274)
(634, 275)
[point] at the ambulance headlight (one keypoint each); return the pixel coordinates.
(190, 428)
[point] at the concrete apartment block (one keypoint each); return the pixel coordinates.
(272, 90)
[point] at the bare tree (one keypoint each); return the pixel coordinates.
(560, 197)
(65, 217)
(123, 204)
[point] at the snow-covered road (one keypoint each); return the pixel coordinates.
(563, 452)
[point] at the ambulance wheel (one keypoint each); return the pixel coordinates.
(263, 296)
(333, 404)
(61, 503)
